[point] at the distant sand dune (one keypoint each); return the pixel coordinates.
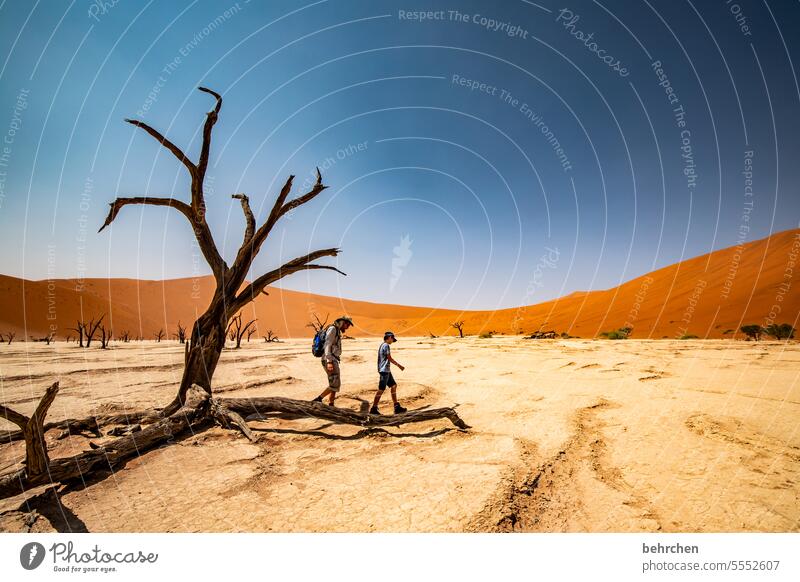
(704, 296)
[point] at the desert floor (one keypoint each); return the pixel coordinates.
(571, 435)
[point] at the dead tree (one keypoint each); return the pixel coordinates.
(91, 329)
(238, 330)
(200, 412)
(37, 463)
(194, 406)
(270, 337)
(181, 335)
(459, 325)
(79, 329)
(160, 335)
(50, 337)
(318, 325)
(87, 330)
(105, 336)
(250, 332)
(231, 294)
(10, 337)
(125, 336)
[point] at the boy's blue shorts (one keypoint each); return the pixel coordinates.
(386, 379)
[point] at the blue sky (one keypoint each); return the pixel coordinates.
(443, 131)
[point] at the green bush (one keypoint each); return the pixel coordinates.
(752, 331)
(780, 332)
(617, 334)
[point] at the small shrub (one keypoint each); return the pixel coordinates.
(780, 331)
(752, 331)
(688, 336)
(486, 335)
(617, 334)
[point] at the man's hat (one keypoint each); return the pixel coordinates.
(345, 318)
(389, 334)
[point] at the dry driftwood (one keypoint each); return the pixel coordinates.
(197, 414)
(247, 407)
(39, 470)
(90, 424)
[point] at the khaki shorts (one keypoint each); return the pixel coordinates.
(334, 378)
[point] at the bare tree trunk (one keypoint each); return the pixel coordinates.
(107, 456)
(203, 351)
(36, 459)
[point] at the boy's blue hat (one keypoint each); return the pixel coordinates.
(389, 334)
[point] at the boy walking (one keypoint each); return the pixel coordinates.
(385, 361)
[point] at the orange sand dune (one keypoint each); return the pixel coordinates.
(704, 296)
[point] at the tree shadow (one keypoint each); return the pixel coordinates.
(363, 433)
(48, 505)
(101, 471)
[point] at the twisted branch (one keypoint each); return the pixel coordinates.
(117, 205)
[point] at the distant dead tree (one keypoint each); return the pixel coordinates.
(50, 337)
(90, 329)
(79, 329)
(237, 329)
(431, 335)
(87, 330)
(459, 325)
(181, 335)
(250, 332)
(10, 337)
(125, 336)
(160, 335)
(270, 337)
(318, 325)
(69, 337)
(105, 336)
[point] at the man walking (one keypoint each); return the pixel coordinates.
(331, 357)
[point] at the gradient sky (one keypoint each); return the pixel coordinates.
(467, 176)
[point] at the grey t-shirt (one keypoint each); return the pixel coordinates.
(333, 344)
(383, 358)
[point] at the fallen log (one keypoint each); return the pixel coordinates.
(109, 455)
(249, 406)
(90, 424)
(199, 412)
